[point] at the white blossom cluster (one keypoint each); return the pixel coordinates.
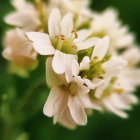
(91, 58)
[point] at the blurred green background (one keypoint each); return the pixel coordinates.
(39, 127)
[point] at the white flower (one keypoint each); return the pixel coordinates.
(18, 49)
(70, 5)
(115, 94)
(114, 66)
(117, 103)
(129, 78)
(114, 98)
(132, 55)
(25, 16)
(107, 23)
(61, 41)
(66, 98)
(91, 69)
(80, 9)
(99, 52)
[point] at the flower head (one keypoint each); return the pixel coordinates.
(25, 15)
(71, 97)
(62, 41)
(107, 23)
(90, 68)
(18, 49)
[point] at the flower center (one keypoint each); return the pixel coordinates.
(70, 88)
(108, 90)
(95, 70)
(111, 89)
(66, 45)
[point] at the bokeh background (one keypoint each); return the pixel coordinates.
(35, 125)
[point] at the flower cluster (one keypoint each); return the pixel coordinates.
(91, 58)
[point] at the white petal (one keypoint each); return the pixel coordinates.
(7, 53)
(114, 110)
(68, 4)
(66, 120)
(67, 25)
(82, 35)
(77, 111)
(60, 106)
(15, 18)
(26, 20)
(133, 75)
(52, 78)
(132, 55)
(59, 62)
(86, 43)
(89, 84)
(68, 72)
(41, 43)
(75, 68)
(97, 81)
(84, 65)
(87, 103)
(114, 66)
(130, 98)
(92, 85)
(125, 40)
(54, 22)
(101, 48)
(78, 80)
(99, 90)
(116, 100)
(81, 89)
(18, 4)
(49, 105)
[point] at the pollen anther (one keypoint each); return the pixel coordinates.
(75, 33)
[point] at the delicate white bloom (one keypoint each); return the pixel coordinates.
(107, 23)
(25, 16)
(70, 5)
(114, 98)
(95, 64)
(91, 58)
(61, 41)
(117, 103)
(129, 78)
(115, 94)
(79, 8)
(18, 49)
(101, 48)
(132, 55)
(67, 98)
(99, 52)
(114, 66)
